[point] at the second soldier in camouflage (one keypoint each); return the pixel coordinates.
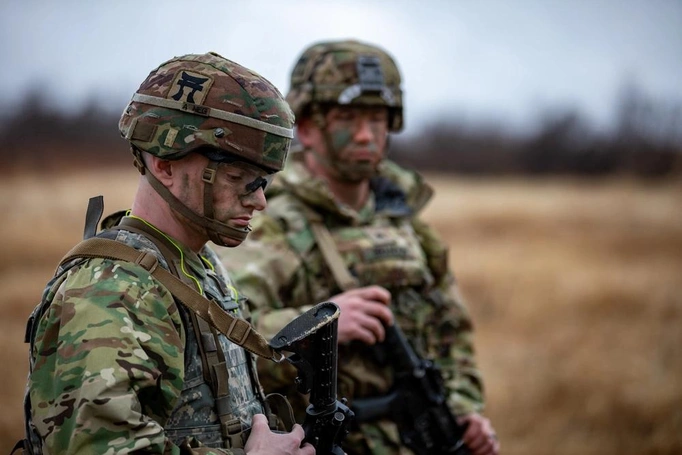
(343, 225)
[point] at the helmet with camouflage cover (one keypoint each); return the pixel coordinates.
(346, 73)
(206, 100)
(208, 104)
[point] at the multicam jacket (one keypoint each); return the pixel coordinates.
(116, 366)
(282, 272)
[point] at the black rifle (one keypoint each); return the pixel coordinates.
(417, 402)
(312, 338)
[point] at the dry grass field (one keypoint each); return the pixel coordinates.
(575, 288)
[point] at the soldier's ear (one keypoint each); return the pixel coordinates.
(161, 169)
(307, 132)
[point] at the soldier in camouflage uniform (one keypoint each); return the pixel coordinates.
(117, 364)
(342, 224)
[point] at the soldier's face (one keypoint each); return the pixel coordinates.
(358, 134)
(238, 191)
(352, 143)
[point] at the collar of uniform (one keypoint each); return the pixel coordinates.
(389, 193)
(417, 192)
(182, 255)
(194, 262)
(367, 212)
(299, 181)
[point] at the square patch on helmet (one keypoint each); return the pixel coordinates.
(190, 87)
(370, 76)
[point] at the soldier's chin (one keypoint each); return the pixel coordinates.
(357, 171)
(230, 242)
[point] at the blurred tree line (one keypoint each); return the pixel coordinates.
(646, 141)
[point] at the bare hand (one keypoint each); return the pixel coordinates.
(263, 441)
(364, 312)
(479, 436)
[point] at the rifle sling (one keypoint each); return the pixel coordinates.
(235, 329)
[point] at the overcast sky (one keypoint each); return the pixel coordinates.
(501, 59)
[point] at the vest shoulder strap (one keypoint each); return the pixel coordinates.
(332, 257)
(235, 329)
(305, 228)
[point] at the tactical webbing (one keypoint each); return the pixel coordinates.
(235, 329)
(215, 371)
(331, 255)
(202, 330)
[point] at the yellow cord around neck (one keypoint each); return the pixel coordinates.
(175, 244)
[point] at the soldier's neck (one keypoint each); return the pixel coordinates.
(351, 194)
(149, 206)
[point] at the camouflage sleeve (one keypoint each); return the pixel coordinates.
(109, 363)
(457, 361)
(266, 270)
(453, 347)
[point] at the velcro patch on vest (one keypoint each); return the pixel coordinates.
(383, 252)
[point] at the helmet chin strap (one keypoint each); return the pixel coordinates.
(214, 228)
(217, 228)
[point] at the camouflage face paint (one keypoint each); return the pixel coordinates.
(356, 140)
(242, 178)
(340, 139)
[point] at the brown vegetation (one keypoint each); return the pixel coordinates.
(574, 287)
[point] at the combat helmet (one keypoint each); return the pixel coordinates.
(346, 72)
(209, 104)
(195, 101)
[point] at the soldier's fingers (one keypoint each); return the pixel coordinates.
(298, 432)
(259, 428)
(378, 311)
(479, 443)
(365, 328)
(489, 448)
(496, 446)
(473, 432)
(259, 421)
(376, 293)
(350, 330)
(374, 326)
(363, 321)
(307, 449)
(364, 335)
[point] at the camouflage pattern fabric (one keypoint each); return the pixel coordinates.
(329, 73)
(282, 272)
(195, 101)
(115, 362)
